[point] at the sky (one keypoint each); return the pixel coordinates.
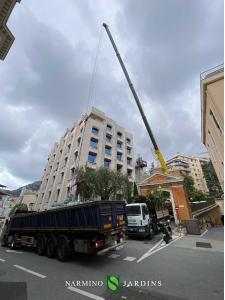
(62, 63)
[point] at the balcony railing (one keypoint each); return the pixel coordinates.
(213, 71)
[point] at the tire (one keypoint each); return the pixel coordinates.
(63, 249)
(13, 243)
(41, 245)
(51, 247)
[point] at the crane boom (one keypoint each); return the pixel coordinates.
(156, 148)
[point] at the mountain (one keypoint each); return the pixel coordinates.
(31, 186)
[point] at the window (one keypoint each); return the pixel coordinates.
(69, 146)
(128, 140)
(78, 141)
(92, 157)
(93, 143)
(66, 159)
(57, 195)
(106, 163)
(144, 210)
(72, 172)
(53, 179)
(49, 195)
(129, 173)
(68, 192)
(119, 135)
(108, 150)
(119, 156)
(215, 121)
(129, 161)
(76, 155)
(128, 150)
(133, 210)
(95, 130)
(109, 128)
(108, 138)
(119, 145)
(119, 168)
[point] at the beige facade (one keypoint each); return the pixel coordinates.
(95, 141)
(191, 166)
(212, 112)
(6, 37)
(29, 198)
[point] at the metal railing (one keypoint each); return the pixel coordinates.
(213, 71)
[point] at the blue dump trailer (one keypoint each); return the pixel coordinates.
(93, 227)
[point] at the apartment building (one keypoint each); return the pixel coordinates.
(6, 37)
(191, 166)
(212, 115)
(95, 141)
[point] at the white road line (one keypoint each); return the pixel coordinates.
(87, 294)
(13, 251)
(150, 252)
(114, 255)
(2, 260)
(204, 233)
(30, 271)
(129, 258)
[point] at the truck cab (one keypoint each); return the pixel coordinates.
(138, 219)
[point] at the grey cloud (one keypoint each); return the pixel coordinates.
(165, 44)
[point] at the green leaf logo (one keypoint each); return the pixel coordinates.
(113, 283)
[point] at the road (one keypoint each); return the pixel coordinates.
(179, 270)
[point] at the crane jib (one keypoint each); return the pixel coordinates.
(157, 151)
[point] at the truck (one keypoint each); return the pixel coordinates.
(139, 222)
(93, 228)
(143, 218)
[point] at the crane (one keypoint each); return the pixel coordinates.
(148, 128)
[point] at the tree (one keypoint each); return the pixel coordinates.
(189, 183)
(212, 180)
(159, 198)
(17, 207)
(103, 183)
(195, 195)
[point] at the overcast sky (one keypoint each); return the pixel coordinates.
(45, 78)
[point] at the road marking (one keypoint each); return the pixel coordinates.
(129, 258)
(114, 255)
(87, 294)
(2, 260)
(204, 233)
(150, 252)
(13, 251)
(30, 271)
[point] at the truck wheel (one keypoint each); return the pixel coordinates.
(63, 249)
(13, 243)
(51, 247)
(41, 245)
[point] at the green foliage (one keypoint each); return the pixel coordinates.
(195, 195)
(21, 206)
(159, 198)
(189, 183)
(212, 180)
(103, 183)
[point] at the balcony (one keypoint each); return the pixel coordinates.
(211, 72)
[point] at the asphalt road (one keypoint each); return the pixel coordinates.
(177, 271)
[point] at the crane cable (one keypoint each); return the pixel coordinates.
(90, 100)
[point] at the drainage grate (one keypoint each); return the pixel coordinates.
(203, 245)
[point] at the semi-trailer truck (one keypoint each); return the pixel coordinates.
(94, 227)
